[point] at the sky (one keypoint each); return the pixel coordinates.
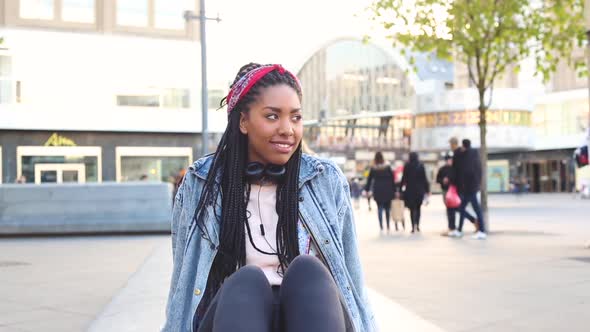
(289, 32)
(276, 31)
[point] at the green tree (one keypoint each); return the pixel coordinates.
(489, 37)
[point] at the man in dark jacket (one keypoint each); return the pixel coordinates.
(467, 176)
(443, 177)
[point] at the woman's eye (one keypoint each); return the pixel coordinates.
(297, 118)
(272, 117)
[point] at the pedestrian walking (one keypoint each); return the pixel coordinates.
(355, 192)
(443, 178)
(368, 193)
(253, 241)
(467, 177)
(397, 208)
(416, 187)
(457, 164)
(382, 184)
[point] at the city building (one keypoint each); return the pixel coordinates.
(554, 125)
(99, 90)
(360, 98)
(365, 97)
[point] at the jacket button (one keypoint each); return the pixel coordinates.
(197, 292)
(301, 198)
(327, 241)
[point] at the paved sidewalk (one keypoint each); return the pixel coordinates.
(532, 274)
(139, 306)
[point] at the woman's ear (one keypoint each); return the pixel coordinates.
(243, 123)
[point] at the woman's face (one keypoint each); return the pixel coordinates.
(274, 125)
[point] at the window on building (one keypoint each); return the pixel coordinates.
(169, 14)
(78, 11)
(215, 97)
(42, 164)
(36, 9)
(139, 100)
(151, 163)
(165, 98)
(7, 91)
(132, 13)
(175, 98)
(156, 168)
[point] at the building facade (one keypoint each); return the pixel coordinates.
(365, 97)
(532, 134)
(360, 99)
(98, 90)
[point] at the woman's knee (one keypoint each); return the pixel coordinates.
(249, 276)
(307, 266)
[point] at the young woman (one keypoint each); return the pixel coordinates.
(263, 236)
(416, 187)
(382, 185)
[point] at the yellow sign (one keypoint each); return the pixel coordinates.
(57, 140)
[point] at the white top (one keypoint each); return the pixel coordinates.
(262, 209)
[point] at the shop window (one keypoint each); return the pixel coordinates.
(30, 162)
(164, 169)
(151, 163)
(39, 164)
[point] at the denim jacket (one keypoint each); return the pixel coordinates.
(327, 219)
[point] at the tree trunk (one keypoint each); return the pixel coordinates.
(483, 154)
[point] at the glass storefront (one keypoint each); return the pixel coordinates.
(165, 169)
(59, 164)
(151, 163)
(31, 163)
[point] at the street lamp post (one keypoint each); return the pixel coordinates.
(189, 15)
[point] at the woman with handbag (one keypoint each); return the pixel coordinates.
(382, 186)
(416, 187)
(450, 197)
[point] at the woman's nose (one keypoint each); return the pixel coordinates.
(286, 128)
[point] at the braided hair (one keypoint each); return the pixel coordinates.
(229, 164)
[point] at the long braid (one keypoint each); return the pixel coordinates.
(287, 202)
(229, 163)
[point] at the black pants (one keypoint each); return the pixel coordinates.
(306, 301)
(415, 217)
(451, 212)
(383, 207)
(466, 199)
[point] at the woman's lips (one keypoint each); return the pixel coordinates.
(282, 147)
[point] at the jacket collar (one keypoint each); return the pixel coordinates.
(310, 168)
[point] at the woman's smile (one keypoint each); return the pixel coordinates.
(283, 147)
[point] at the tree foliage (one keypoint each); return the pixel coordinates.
(489, 36)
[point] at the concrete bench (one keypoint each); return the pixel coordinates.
(85, 208)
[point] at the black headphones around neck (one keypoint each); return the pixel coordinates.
(256, 171)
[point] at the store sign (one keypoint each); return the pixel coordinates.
(57, 140)
(466, 118)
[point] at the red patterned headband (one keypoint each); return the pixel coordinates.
(245, 83)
